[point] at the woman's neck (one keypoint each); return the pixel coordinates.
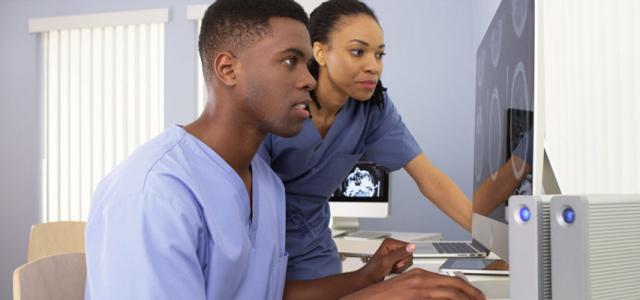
(330, 97)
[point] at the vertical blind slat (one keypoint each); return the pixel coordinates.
(64, 129)
(58, 125)
(202, 93)
(155, 93)
(160, 77)
(44, 207)
(129, 107)
(120, 113)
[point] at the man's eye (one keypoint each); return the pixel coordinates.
(357, 52)
(291, 61)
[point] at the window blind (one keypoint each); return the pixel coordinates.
(103, 96)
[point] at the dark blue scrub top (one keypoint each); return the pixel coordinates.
(312, 168)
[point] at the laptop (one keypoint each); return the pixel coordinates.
(444, 249)
(475, 266)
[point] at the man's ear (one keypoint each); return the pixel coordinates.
(319, 53)
(225, 68)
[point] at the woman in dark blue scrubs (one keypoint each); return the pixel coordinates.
(353, 117)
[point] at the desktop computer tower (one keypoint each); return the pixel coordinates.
(529, 247)
(595, 251)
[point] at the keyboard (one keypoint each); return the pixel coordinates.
(366, 235)
(454, 247)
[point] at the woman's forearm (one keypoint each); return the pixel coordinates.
(441, 190)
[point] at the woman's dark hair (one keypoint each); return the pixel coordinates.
(322, 23)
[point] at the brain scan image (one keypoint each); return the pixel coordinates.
(360, 183)
(519, 10)
(526, 187)
(495, 43)
(495, 134)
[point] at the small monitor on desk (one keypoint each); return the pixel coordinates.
(364, 193)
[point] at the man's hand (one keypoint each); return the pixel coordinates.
(419, 284)
(392, 256)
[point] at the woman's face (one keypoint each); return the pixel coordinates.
(352, 60)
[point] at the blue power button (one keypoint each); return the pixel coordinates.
(525, 214)
(569, 215)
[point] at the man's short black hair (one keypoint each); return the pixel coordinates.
(229, 25)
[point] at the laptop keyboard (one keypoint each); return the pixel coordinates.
(369, 235)
(444, 247)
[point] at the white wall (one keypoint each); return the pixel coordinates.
(482, 13)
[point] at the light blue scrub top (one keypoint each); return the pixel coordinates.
(172, 222)
(311, 169)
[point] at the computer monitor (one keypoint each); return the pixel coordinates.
(364, 193)
(504, 127)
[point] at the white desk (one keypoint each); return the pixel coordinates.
(494, 287)
(363, 247)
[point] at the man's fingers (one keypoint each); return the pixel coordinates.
(460, 284)
(389, 261)
(431, 280)
(389, 244)
(402, 253)
(445, 293)
(403, 264)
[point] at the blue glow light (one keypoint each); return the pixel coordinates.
(569, 215)
(525, 214)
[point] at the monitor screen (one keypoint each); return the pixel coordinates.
(364, 192)
(366, 182)
(503, 148)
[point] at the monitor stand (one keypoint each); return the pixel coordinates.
(344, 225)
(349, 228)
(550, 184)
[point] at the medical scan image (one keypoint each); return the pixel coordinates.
(360, 183)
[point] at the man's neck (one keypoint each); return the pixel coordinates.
(235, 142)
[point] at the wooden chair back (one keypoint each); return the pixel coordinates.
(55, 238)
(58, 277)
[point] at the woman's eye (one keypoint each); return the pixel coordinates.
(380, 55)
(357, 52)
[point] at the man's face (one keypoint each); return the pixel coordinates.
(274, 79)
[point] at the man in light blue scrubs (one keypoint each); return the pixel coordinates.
(194, 214)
